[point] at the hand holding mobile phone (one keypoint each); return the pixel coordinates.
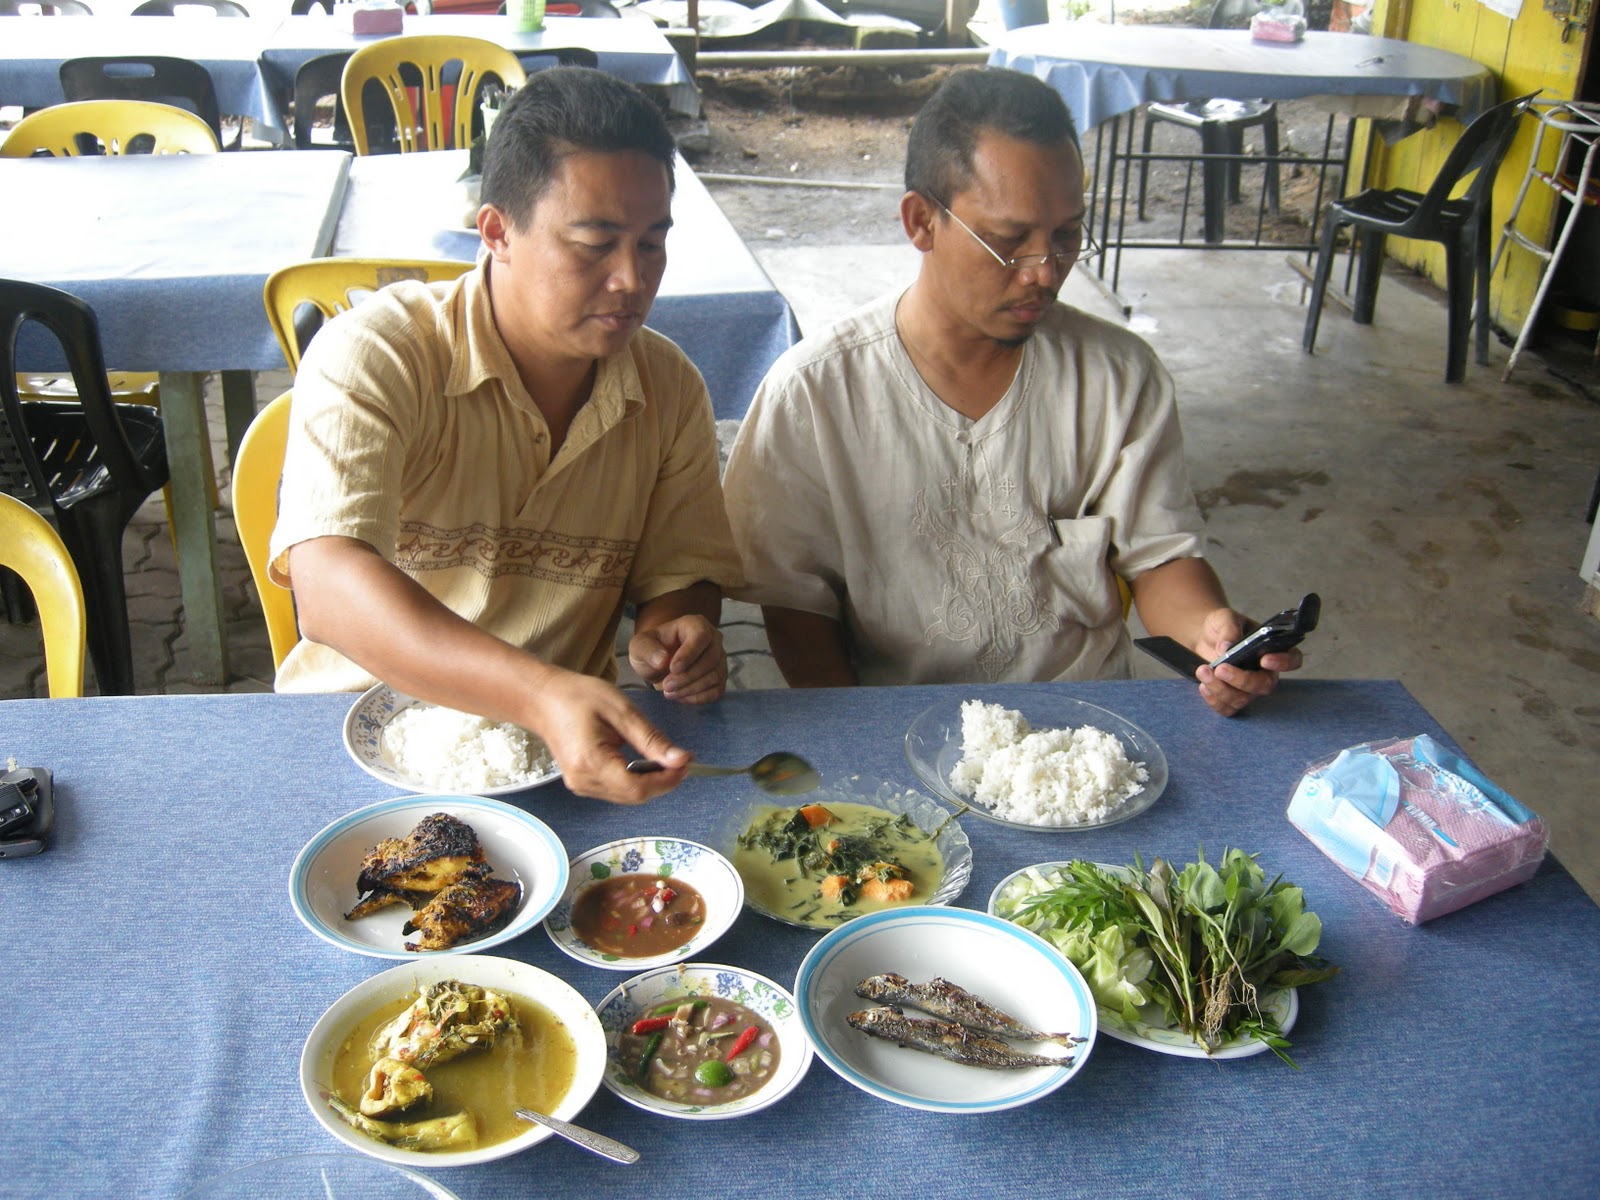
(1279, 632)
(27, 812)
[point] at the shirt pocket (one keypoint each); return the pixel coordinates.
(1077, 571)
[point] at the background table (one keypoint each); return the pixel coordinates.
(715, 300)
(160, 987)
(634, 50)
(173, 263)
(32, 52)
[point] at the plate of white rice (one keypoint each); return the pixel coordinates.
(1033, 759)
(424, 747)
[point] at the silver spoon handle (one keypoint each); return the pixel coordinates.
(587, 1138)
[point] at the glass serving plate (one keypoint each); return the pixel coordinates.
(924, 813)
(933, 748)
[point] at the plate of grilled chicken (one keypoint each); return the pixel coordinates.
(428, 875)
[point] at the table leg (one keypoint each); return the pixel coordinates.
(183, 415)
(238, 406)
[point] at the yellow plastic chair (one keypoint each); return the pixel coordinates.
(115, 123)
(256, 475)
(332, 285)
(428, 54)
(34, 550)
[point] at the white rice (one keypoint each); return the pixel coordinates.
(1041, 777)
(458, 752)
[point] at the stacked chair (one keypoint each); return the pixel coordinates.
(34, 550)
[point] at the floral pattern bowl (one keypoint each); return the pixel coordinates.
(701, 867)
(686, 981)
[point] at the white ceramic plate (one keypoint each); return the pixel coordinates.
(924, 813)
(700, 866)
(756, 992)
(322, 881)
(1155, 1034)
(363, 738)
(515, 979)
(933, 748)
(1005, 964)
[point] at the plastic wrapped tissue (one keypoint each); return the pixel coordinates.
(1418, 826)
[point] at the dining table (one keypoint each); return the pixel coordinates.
(1106, 72)
(161, 987)
(715, 300)
(172, 252)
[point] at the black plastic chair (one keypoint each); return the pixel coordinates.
(165, 8)
(47, 8)
(316, 80)
(1221, 125)
(301, 8)
(1463, 226)
(175, 81)
(89, 462)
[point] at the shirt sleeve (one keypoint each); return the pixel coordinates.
(685, 539)
(343, 461)
(779, 504)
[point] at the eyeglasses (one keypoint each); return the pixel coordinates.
(1087, 247)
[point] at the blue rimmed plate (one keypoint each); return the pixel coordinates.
(1012, 969)
(520, 847)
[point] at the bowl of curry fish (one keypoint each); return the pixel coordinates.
(425, 1064)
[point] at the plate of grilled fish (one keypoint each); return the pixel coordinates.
(945, 1009)
(424, 875)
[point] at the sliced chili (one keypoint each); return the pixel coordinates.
(650, 1048)
(650, 1024)
(742, 1043)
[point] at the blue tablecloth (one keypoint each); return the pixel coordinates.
(160, 987)
(1104, 70)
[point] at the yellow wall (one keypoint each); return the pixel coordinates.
(1526, 55)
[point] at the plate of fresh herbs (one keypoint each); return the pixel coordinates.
(1202, 961)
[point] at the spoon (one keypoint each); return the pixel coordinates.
(780, 772)
(587, 1138)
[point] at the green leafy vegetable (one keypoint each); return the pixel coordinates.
(1200, 946)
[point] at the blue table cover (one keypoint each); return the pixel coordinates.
(1102, 71)
(159, 987)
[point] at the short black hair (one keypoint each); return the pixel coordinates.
(969, 103)
(562, 111)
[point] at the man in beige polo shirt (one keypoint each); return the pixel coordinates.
(481, 474)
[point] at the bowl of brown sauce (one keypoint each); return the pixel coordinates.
(702, 1041)
(645, 902)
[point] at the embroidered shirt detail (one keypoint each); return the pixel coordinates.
(988, 596)
(583, 562)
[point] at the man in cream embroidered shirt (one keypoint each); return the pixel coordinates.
(955, 550)
(954, 483)
(419, 439)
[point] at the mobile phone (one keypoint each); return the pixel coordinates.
(1279, 632)
(27, 812)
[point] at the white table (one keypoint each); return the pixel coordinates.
(715, 300)
(173, 260)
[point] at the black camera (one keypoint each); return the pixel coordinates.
(27, 812)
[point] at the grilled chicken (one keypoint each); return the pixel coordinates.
(442, 850)
(463, 911)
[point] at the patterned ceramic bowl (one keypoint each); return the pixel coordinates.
(701, 867)
(772, 1003)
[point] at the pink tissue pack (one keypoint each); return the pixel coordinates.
(1277, 27)
(1418, 826)
(370, 18)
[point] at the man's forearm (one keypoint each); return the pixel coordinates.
(1175, 598)
(809, 649)
(698, 599)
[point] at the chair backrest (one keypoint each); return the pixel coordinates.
(45, 8)
(1478, 153)
(302, 8)
(332, 285)
(315, 80)
(34, 550)
(175, 81)
(427, 56)
(256, 475)
(172, 8)
(73, 324)
(121, 126)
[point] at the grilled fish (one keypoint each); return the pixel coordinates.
(941, 998)
(441, 850)
(463, 911)
(947, 1040)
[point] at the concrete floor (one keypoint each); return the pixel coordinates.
(1442, 525)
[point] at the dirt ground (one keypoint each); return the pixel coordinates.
(813, 125)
